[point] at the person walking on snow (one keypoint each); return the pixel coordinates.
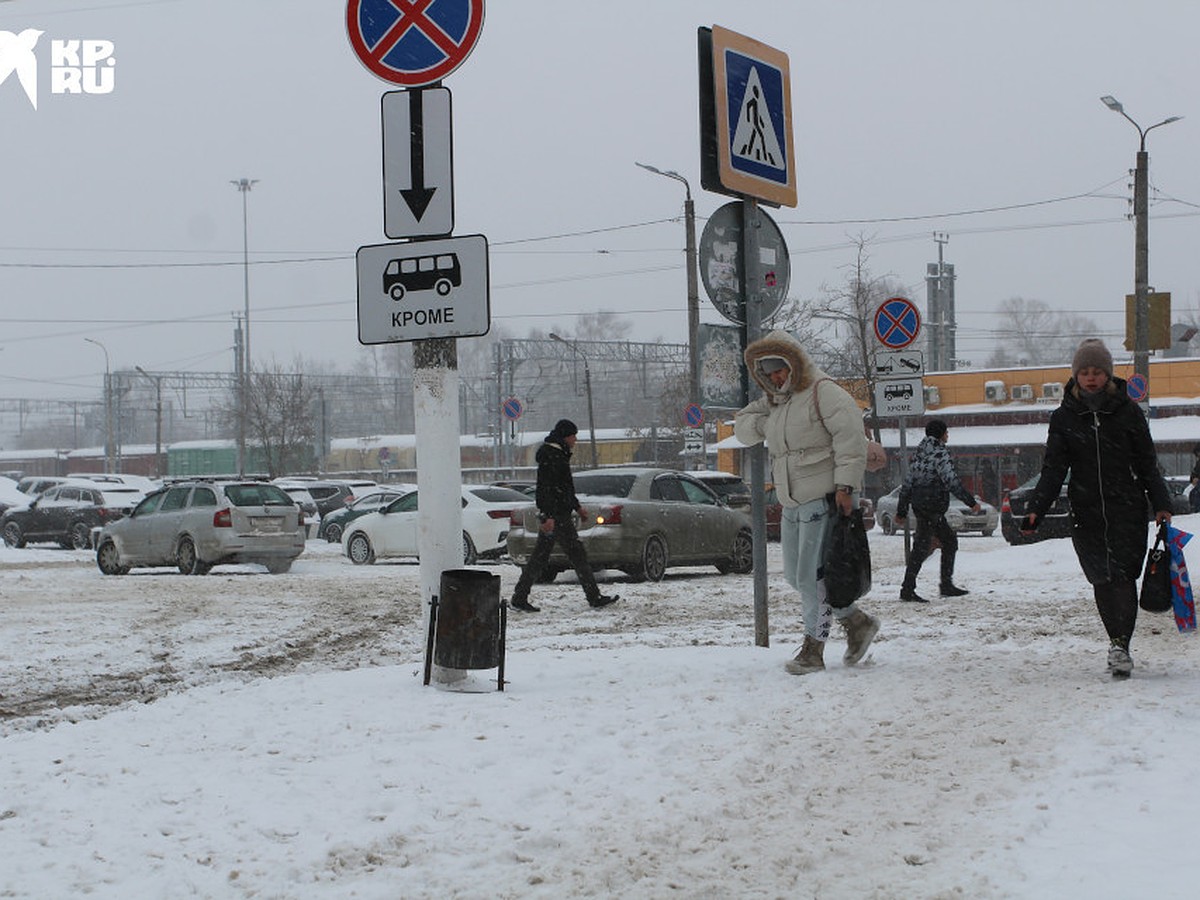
(1101, 438)
(930, 481)
(813, 432)
(556, 501)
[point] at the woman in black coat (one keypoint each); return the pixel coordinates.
(1101, 437)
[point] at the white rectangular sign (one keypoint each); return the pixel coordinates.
(418, 176)
(418, 290)
(693, 440)
(903, 397)
(899, 364)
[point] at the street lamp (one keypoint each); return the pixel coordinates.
(108, 418)
(1141, 249)
(244, 185)
(693, 290)
(587, 382)
(157, 379)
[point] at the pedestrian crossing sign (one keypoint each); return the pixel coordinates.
(752, 84)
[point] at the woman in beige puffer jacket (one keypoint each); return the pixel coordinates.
(813, 432)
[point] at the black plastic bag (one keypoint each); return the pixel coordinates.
(1156, 580)
(847, 561)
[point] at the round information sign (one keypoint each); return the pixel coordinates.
(721, 263)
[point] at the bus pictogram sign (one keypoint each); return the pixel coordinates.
(897, 323)
(413, 42)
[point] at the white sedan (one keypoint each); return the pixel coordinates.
(392, 531)
(959, 516)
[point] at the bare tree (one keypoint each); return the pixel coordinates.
(1032, 334)
(281, 418)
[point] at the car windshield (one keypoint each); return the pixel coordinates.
(257, 495)
(499, 495)
(604, 485)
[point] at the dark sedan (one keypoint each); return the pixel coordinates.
(643, 521)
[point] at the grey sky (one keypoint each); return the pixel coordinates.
(907, 117)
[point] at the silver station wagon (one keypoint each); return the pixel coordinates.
(196, 525)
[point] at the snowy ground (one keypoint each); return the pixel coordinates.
(645, 750)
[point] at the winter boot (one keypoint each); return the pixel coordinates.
(1120, 664)
(860, 631)
(603, 599)
(524, 606)
(911, 595)
(810, 658)
(950, 589)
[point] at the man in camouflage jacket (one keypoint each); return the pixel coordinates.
(927, 488)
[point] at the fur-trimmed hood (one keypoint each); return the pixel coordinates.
(783, 345)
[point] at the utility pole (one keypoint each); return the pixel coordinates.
(244, 185)
(1141, 245)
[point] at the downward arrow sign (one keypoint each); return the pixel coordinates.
(418, 196)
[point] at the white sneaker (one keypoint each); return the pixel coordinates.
(1120, 664)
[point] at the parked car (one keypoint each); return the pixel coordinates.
(65, 514)
(195, 525)
(1055, 524)
(959, 516)
(730, 488)
(331, 493)
(303, 498)
(774, 513)
(333, 526)
(10, 496)
(392, 530)
(36, 484)
(642, 522)
(525, 487)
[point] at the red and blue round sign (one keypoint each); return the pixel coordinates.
(1137, 387)
(897, 323)
(413, 42)
(512, 409)
(693, 415)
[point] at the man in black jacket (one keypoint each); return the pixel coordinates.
(930, 481)
(556, 501)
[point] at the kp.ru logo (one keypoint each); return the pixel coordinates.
(76, 66)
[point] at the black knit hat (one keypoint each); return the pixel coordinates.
(562, 428)
(935, 428)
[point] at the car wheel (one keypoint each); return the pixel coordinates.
(81, 536)
(470, 556)
(333, 533)
(108, 560)
(654, 559)
(278, 566)
(886, 523)
(741, 562)
(358, 548)
(188, 560)
(13, 536)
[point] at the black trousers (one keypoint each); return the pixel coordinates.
(564, 532)
(1117, 603)
(922, 549)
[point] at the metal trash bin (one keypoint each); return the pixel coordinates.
(467, 623)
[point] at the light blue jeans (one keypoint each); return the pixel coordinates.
(803, 532)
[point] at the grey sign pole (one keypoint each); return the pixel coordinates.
(751, 291)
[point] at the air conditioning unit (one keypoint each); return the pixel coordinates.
(933, 397)
(994, 391)
(1022, 392)
(1052, 390)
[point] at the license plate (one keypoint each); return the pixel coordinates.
(266, 523)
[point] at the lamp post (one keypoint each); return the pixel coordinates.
(108, 418)
(157, 379)
(587, 382)
(244, 185)
(1141, 248)
(693, 289)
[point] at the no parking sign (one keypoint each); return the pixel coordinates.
(413, 43)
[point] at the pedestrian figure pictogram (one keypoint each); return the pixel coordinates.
(755, 136)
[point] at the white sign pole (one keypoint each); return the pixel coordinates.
(439, 473)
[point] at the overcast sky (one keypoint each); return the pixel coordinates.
(981, 120)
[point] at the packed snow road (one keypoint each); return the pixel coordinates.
(75, 643)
